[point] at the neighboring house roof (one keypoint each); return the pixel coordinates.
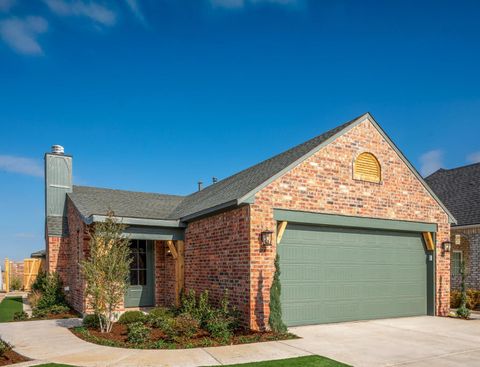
(459, 189)
(96, 201)
(39, 254)
(231, 191)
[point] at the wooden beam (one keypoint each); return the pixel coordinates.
(427, 236)
(172, 249)
(281, 230)
(180, 271)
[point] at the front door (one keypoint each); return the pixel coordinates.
(140, 293)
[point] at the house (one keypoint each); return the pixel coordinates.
(359, 233)
(459, 189)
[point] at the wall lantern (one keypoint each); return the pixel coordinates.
(447, 246)
(267, 238)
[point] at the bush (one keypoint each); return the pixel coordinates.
(58, 309)
(137, 332)
(91, 321)
(161, 318)
(34, 298)
(16, 283)
(275, 320)
(20, 316)
(473, 298)
(186, 325)
(160, 312)
(130, 317)
(39, 284)
(4, 347)
(52, 293)
(199, 309)
(220, 327)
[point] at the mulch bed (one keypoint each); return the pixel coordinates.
(118, 338)
(11, 357)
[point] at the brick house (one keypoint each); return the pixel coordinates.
(359, 233)
(458, 188)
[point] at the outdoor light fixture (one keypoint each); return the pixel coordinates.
(447, 246)
(267, 238)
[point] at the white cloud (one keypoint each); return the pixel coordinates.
(430, 162)
(21, 34)
(238, 4)
(135, 8)
(6, 5)
(26, 166)
(94, 11)
(474, 157)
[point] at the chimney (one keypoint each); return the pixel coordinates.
(214, 180)
(58, 182)
(200, 185)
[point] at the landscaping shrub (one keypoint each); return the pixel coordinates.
(33, 298)
(462, 310)
(220, 327)
(200, 309)
(137, 332)
(4, 348)
(16, 283)
(52, 293)
(186, 325)
(454, 299)
(473, 299)
(161, 318)
(130, 317)
(20, 316)
(39, 284)
(91, 321)
(275, 319)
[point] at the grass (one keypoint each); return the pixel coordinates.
(9, 306)
(309, 361)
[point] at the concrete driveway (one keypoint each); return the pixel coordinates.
(415, 341)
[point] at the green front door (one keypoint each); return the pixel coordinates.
(335, 274)
(141, 290)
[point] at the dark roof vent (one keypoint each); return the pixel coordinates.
(200, 185)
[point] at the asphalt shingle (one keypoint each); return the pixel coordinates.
(459, 190)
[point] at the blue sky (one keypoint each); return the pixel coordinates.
(155, 95)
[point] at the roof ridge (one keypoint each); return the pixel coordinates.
(128, 191)
(460, 167)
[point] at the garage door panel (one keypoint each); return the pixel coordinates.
(333, 274)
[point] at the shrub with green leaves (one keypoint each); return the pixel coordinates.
(186, 325)
(462, 310)
(137, 332)
(20, 316)
(220, 327)
(130, 317)
(16, 283)
(39, 284)
(160, 317)
(52, 293)
(275, 319)
(4, 347)
(91, 321)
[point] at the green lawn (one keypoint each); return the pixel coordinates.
(9, 306)
(310, 361)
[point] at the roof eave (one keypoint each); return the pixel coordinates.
(136, 221)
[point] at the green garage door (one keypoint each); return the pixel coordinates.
(334, 274)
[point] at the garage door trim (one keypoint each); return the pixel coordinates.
(350, 221)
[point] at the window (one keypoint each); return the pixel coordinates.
(367, 168)
(138, 266)
(457, 259)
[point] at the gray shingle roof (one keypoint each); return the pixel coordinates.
(459, 190)
(240, 184)
(96, 201)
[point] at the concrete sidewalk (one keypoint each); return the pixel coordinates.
(415, 341)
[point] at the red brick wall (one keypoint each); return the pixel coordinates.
(78, 250)
(324, 184)
(57, 256)
(217, 256)
(164, 276)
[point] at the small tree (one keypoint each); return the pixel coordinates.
(463, 311)
(106, 270)
(275, 319)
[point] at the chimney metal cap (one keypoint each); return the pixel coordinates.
(58, 149)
